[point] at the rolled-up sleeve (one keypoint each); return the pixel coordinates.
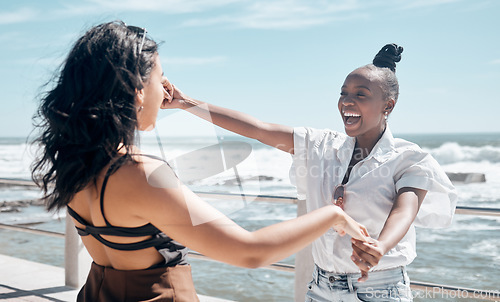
(439, 204)
(298, 170)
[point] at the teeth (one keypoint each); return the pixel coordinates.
(351, 114)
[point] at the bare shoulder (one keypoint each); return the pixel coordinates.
(147, 175)
(161, 198)
(143, 185)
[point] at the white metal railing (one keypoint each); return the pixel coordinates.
(77, 260)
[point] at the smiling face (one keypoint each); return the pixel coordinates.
(150, 98)
(362, 105)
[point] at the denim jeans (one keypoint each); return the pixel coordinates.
(386, 285)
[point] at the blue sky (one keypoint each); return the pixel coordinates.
(282, 61)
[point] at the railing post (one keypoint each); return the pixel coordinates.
(76, 258)
(304, 263)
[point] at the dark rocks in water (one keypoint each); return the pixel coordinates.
(260, 178)
(9, 209)
(14, 206)
(466, 177)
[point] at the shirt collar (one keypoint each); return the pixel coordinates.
(381, 151)
(345, 150)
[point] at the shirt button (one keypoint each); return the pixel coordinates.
(331, 279)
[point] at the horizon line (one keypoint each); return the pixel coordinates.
(237, 135)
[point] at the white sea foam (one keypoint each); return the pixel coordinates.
(426, 236)
(473, 227)
(18, 193)
(15, 161)
(452, 152)
(489, 248)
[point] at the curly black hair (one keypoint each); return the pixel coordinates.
(384, 64)
(90, 112)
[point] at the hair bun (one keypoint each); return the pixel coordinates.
(388, 56)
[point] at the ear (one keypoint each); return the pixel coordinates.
(389, 106)
(139, 97)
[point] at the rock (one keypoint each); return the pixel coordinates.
(237, 181)
(8, 209)
(466, 177)
(16, 205)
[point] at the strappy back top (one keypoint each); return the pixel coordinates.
(173, 252)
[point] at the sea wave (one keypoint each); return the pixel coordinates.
(453, 152)
(270, 164)
(489, 248)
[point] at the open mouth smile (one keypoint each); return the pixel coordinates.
(351, 118)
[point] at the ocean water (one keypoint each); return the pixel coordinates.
(466, 254)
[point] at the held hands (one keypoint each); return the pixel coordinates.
(366, 254)
(359, 234)
(347, 225)
(367, 251)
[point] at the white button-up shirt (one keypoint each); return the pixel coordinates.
(320, 161)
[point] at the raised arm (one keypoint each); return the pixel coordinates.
(367, 254)
(275, 135)
(182, 215)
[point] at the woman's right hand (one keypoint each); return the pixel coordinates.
(347, 225)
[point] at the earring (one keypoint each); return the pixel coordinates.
(140, 108)
(386, 114)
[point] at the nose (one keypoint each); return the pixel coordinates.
(346, 100)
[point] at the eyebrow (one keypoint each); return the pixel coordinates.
(364, 87)
(361, 86)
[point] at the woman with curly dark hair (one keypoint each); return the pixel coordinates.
(136, 224)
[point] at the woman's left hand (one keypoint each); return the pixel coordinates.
(168, 90)
(366, 255)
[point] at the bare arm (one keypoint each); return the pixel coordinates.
(275, 135)
(182, 215)
(403, 213)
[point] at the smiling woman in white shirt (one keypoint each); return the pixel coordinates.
(389, 185)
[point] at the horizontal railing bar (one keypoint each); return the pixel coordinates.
(477, 211)
(252, 197)
(274, 266)
(30, 230)
(17, 182)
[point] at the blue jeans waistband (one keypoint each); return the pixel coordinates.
(374, 277)
(383, 285)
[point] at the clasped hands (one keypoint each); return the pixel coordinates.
(366, 254)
